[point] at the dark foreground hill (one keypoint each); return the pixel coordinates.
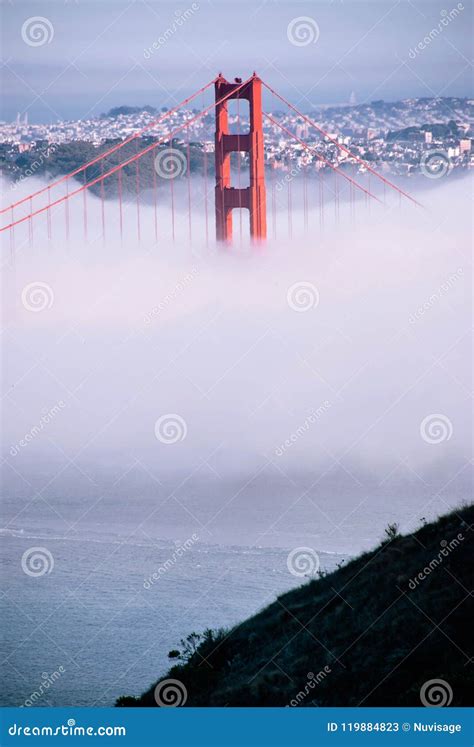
(373, 633)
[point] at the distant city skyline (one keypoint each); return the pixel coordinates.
(80, 58)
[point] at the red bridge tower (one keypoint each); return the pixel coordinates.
(252, 197)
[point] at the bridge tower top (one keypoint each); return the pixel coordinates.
(227, 197)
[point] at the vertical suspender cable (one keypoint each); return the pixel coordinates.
(188, 161)
(321, 200)
(172, 207)
(30, 222)
(205, 166)
(272, 172)
(305, 201)
(352, 203)
(273, 179)
(102, 202)
(12, 237)
(155, 203)
(290, 222)
(48, 215)
(66, 205)
(206, 217)
(102, 208)
(120, 204)
(137, 189)
(354, 196)
(84, 205)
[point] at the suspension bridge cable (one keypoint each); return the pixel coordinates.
(321, 158)
(106, 153)
(342, 147)
(120, 166)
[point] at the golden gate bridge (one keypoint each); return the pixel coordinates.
(59, 194)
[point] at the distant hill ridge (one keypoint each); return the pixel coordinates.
(117, 111)
(375, 632)
(385, 115)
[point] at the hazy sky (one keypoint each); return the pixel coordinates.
(95, 57)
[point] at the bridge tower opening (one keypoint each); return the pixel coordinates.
(252, 197)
